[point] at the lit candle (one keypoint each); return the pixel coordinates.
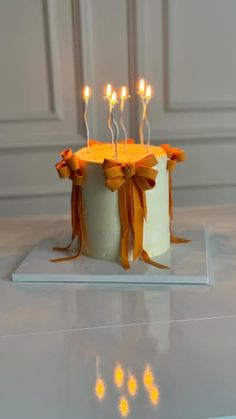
(141, 88)
(148, 95)
(86, 96)
(123, 94)
(86, 93)
(145, 93)
(123, 97)
(107, 97)
(100, 387)
(141, 93)
(113, 103)
(113, 98)
(108, 91)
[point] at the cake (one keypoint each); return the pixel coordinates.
(121, 209)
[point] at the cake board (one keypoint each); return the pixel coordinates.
(188, 265)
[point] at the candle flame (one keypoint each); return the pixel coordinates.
(100, 389)
(148, 93)
(109, 91)
(123, 94)
(119, 376)
(148, 379)
(124, 407)
(154, 395)
(86, 93)
(132, 385)
(113, 98)
(141, 88)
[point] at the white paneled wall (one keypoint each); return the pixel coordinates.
(49, 48)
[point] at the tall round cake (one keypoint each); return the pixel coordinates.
(101, 206)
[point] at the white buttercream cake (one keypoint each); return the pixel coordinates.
(100, 205)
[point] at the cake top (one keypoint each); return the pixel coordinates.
(133, 153)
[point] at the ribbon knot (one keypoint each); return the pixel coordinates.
(128, 169)
(132, 180)
(69, 167)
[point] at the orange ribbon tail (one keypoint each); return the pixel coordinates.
(69, 168)
(132, 214)
(146, 258)
(175, 155)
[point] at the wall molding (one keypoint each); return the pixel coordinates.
(199, 105)
(206, 185)
(55, 112)
(53, 62)
(56, 141)
(193, 103)
(46, 142)
(131, 7)
(78, 59)
(23, 117)
(84, 12)
(195, 136)
(58, 191)
(31, 194)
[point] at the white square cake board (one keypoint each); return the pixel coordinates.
(188, 265)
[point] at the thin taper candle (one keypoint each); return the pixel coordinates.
(148, 95)
(141, 93)
(107, 97)
(145, 93)
(123, 98)
(113, 103)
(143, 118)
(86, 96)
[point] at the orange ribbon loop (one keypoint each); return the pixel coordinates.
(132, 180)
(69, 167)
(175, 155)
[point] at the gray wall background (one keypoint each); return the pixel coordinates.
(50, 48)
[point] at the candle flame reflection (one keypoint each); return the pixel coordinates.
(124, 408)
(119, 376)
(132, 385)
(100, 387)
(154, 395)
(148, 379)
(128, 387)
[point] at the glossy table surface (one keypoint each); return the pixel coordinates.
(110, 351)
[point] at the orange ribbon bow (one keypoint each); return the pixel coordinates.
(132, 180)
(175, 155)
(69, 167)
